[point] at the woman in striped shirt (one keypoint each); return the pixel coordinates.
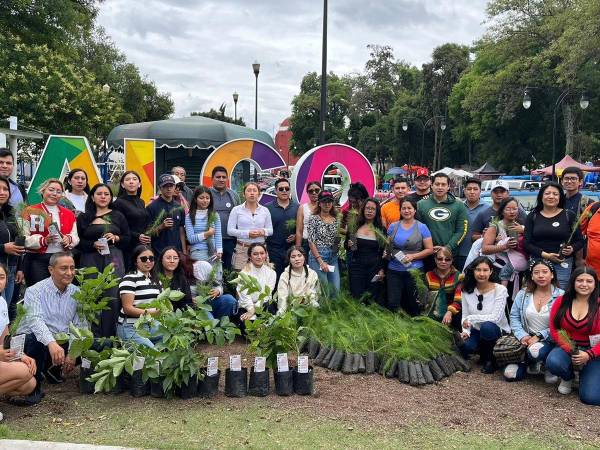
(203, 227)
(136, 289)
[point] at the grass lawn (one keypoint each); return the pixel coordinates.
(250, 422)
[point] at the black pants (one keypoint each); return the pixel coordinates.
(228, 248)
(39, 352)
(277, 257)
(401, 292)
(35, 267)
(360, 276)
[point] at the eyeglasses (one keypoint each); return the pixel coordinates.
(169, 258)
(570, 179)
(480, 302)
(370, 208)
(283, 189)
(442, 259)
(314, 191)
(146, 258)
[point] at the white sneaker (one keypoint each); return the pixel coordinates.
(535, 368)
(510, 371)
(565, 387)
(550, 378)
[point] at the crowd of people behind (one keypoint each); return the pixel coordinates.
(471, 257)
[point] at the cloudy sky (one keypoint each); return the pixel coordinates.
(202, 51)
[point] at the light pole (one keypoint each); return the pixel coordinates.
(323, 112)
(235, 99)
(105, 91)
(256, 69)
(423, 128)
(584, 102)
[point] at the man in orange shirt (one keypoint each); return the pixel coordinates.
(390, 212)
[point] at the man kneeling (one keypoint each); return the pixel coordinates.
(50, 309)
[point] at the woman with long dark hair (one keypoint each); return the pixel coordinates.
(411, 243)
(548, 229)
(298, 281)
(138, 287)
(203, 227)
(367, 265)
(257, 267)
(575, 327)
(77, 189)
(11, 254)
(483, 316)
(170, 273)
(131, 205)
(530, 320)
(313, 188)
(104, 235)
(48, 228)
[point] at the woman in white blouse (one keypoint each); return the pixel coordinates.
(530, 320)
(259, 268)
(249, 222)
(298, 281)
(483, 316)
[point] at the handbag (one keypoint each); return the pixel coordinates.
(509, 350)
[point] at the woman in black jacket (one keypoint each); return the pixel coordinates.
(130, 204)
(169, 269)
(104, 234)
(11, 254)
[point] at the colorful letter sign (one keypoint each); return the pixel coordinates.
(233, 152)
(61, 154)
(314, 163)
(139, 156)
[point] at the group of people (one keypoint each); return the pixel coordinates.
(468, 255)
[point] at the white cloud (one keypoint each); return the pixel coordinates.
(202, 51)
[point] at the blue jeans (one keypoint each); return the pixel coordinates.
(329, 281)
(564, 273)
(482, 339)
(198, 254)
(127, 332)
(10, 285)
(529, 359)
(223, 306)
(559, 363)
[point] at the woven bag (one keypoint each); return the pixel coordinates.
(509, 350)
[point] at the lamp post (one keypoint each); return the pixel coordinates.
(256, 69)
(584, 102)
(423, 128)
(323, 112)
(235, 99)
(105, 91)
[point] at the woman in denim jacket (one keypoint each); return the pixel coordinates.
(530, 320)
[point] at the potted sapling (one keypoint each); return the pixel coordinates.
(352, 228)
(92, 286)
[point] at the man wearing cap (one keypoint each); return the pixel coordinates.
(444, 215)
(474, 207)
(390, 211)
(500, 191)
(171, 231)
(422, 185)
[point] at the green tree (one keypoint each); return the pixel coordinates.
(219, 115)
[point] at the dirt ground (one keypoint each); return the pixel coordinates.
(469, 402)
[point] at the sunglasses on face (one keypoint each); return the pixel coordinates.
(480, 302)
(283, 189)
(443, 259)
(146, 258)
(314, 191)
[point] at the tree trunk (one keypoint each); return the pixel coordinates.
(569, 121)
(435, 145)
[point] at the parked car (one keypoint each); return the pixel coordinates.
(527, 199)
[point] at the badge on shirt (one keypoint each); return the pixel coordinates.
(555, 224)
(228, 204)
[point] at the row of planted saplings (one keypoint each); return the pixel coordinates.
(288, 381)
(415, 373)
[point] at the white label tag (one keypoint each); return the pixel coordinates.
(375, 278)
(400, 256)
(138, 363)
(212, 366)
(85, 363)
(282, 362)
(17, 345)
(303, 364)
(594, 340)
(330, 268)
(235, 363)
(260, 362)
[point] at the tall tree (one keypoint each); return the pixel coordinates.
(219, 115)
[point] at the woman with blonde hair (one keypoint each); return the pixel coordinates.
(49, 228)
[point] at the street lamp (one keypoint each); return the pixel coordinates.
(405, 125)
(584, 102)
(443, 124)
(256, 69)
(235, 99)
